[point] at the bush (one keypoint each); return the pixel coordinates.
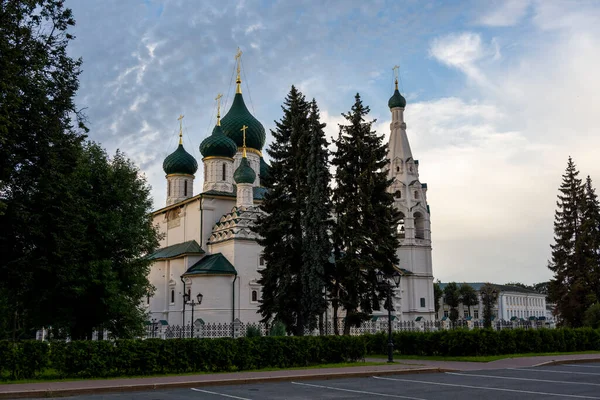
(278, 329)
(253, 331)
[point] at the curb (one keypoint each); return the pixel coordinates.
(568, 361)
(40, 393)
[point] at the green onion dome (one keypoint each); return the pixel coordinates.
(244, 173)
(397, 100)
(180, 162)
(264, 169)
(238, 116)
(218, 145)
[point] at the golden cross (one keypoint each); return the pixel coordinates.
(238, 81)
(180, 128)
(396, 71)
(244, 130)
(218, 99)
(244, 127)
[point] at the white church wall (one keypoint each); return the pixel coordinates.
(216, 301)
(247, 254)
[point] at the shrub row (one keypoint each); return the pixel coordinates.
(86, 359)
(484, 342)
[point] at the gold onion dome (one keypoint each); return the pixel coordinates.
(238, 116)
(218, 144)
(180, 162)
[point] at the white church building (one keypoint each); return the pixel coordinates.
(208, 252)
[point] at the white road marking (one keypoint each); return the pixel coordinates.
(523, 379)
(220, 394)
(358, 391)
(582, 366)
(486, 388)
(553, 370)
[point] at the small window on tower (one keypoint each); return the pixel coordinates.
(185, 188)
(254, 296)
(422, 301)
(398, 194)
(261, 261)
(148, 299)
(397, 169)
(224, 171)
(168, 188)
(172, 296)
(416, 194)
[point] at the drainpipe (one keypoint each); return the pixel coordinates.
(183, 309)
(233, 305)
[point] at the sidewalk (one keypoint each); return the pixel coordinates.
(71, 388)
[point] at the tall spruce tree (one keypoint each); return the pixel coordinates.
(365, 237)
(316, 221)
(588, 243)
(280, 228)
(567, 288)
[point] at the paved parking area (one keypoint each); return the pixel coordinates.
(569, 381)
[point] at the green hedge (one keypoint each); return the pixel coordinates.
(485, 342)
(86, 359)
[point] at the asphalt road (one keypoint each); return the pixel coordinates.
(570, 381)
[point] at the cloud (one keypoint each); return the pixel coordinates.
(464, 51)
(508, 13)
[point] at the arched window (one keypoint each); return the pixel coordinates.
(419, 226)
(398, 169)
(261, 261)
(416, 194)
(168, 188)
(401, 231)
(254, 296)
(185, 188)
(148, 299)
(172, 296)
(224, 172)
(398, 194)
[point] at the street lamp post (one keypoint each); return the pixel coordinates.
(384, 281)
(192, 303)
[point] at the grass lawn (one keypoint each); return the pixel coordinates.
(51, 376)
(478, 358)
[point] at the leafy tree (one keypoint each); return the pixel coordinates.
(541, 287)
(468, 296)
(521, 285)
(280, 227)
(365, 237)
(489, 298)
(39, 146)
(438, 293)
(591, 317)
(316, 222)
(76, 224)
(452, 298)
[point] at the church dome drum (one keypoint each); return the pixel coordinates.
(238, 116)
(218, 145)
(180, 162)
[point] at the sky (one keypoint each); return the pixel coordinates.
(499, 95)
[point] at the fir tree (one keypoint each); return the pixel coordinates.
(588, 243)
(280, 228)
(365, 238)
(566, 288)
(316, 222)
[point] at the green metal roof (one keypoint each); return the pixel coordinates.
(238, 116)
(180, 162)
(264, 170)
(244, 173)
(218, 145)
(177, 250)
(212, 264)
(503, 288)
(258, 192)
